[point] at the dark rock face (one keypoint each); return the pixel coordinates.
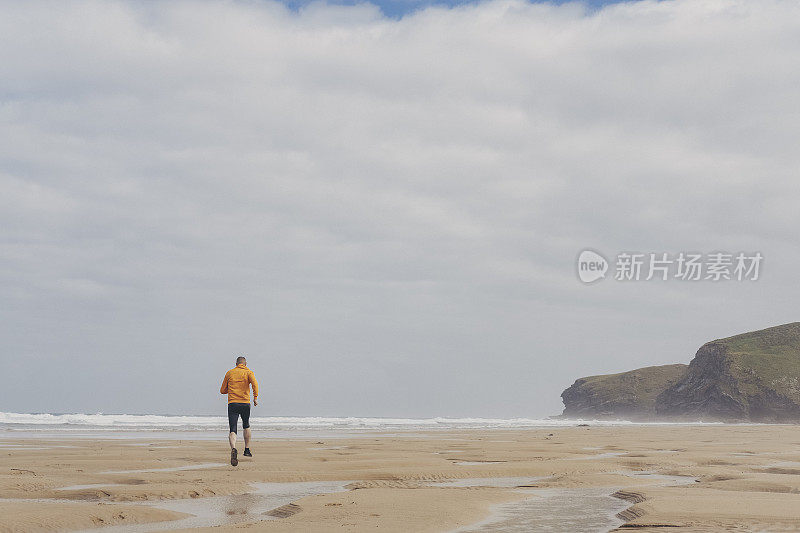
(629, 395)
(706, 390)
(749, 377)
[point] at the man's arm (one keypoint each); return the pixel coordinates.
(254, 383)
(224, 388)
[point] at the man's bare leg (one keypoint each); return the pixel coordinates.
(232, 441)
(247, 435)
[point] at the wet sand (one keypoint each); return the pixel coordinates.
(694, 478)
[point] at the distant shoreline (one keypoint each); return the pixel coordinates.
(126, 422)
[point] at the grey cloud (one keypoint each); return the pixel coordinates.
(380, 209)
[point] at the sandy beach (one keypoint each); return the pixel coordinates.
(699, 478)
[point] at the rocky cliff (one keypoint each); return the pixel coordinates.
(628, 395)
(749, 377)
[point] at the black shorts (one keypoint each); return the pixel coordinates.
(236, 409)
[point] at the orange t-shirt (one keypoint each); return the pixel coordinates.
(237, 384)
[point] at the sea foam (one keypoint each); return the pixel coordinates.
(122, 422)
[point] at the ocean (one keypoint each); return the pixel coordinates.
(14, 425)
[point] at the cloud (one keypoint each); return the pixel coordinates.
(382, 208)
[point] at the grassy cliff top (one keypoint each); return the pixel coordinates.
(772, 354)
(644, 383)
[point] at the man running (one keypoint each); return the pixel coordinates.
(237, 386)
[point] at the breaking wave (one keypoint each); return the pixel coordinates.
(121, 422)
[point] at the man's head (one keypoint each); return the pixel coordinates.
(241, 360)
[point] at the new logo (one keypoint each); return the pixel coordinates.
(591, 266)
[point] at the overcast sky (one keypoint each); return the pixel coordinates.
(382, 214)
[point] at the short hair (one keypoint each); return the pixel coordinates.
(240, 360)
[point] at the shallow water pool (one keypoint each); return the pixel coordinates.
(234, 509)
